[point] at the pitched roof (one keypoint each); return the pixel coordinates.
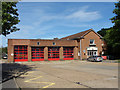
(80, 35)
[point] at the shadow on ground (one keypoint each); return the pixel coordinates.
(11, 70)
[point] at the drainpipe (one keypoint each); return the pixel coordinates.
(80, 50)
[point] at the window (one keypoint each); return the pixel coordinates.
(91, 41)
(38, 43)
(54, 43)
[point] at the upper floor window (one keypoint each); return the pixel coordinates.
(38, 43)
(54, 43)
(92, 41)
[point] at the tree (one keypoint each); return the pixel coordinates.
(112, 35)
(3, 49)
(116, 19)
(103, 31)
(9, 18)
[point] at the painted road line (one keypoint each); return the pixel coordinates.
(48, 85)
(31, 81)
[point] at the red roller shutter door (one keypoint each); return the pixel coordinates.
(37, 54)
(68, 53)
(20, 53)
(53, 53)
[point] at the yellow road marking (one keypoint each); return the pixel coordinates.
(30, 81)
(49, 85)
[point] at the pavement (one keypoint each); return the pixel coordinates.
(9, 84)
(8, 73)
(69, 74)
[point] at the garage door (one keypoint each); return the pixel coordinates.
(68, 53)
(37, 54)
(20, 53)
(53, 53)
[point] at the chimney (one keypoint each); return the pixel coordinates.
(55, 38)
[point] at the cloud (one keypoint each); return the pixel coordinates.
(46, 20)
(67, 16)
(47, 23)
(79, 25)
(83, 16)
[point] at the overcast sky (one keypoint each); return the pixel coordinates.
(49, 20)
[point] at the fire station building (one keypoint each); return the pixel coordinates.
(73, 47)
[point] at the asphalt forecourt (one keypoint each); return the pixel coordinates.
(69, 74)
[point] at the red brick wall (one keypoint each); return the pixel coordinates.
(10, 51)
(45, 43)
(86, 41)
(50, 42)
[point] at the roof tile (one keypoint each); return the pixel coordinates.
(77, 35)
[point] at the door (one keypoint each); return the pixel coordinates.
(91, 53)
(20, 53)
(37, 54)
(53, 53)
(68, 53)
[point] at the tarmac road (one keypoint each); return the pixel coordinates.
(70, 74)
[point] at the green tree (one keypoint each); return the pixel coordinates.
(103, 31)
(3, 49)
(112, 35)
(9, 18)
(116, 19)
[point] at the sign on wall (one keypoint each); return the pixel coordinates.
(78, 53)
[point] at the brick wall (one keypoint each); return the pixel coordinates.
(43, 43)
(86, 41)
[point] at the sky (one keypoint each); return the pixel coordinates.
(48, 20)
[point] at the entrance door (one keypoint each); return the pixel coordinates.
(37, 54)
(20, 53)
(92, 53)
(68, 53)
(53, 53)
